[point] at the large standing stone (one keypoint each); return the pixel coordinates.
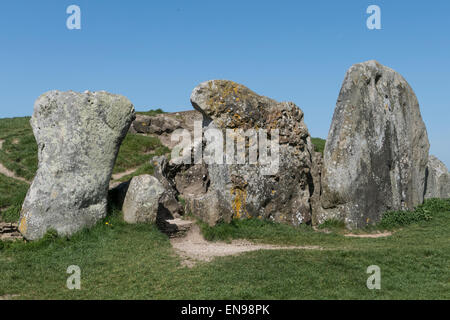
(438, 179)
(247, 190)
(78, 136)
(377, 148)
(142, 200)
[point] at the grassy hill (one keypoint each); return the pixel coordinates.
(122, 261)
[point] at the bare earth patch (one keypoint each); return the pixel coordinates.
(193, 247)
(5, 171)
(117, 176)
(8, 296)
(120, 175)
(358, 235)
(369, 235)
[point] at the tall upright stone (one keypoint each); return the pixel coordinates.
(438, 179)
(78, 137)
(377, 148)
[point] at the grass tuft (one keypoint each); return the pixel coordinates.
(423, 212)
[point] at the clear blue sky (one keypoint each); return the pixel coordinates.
(156, 52)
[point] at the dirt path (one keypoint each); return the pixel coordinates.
(117, 176)
(5, 171)
(8, 296)
(358, 235)
(369, 235)
(193, 247)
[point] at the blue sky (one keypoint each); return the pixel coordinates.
(156, 52)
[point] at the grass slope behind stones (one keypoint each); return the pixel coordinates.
(136, 151)
(12, 194)
(19, 150)
(319, 144)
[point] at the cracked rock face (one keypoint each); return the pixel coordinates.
(438, 179)
(247, 190)
(377, 148)
(78, 136)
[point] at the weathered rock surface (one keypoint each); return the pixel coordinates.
(316, 172)
(163, 125)
(438, 179)
(219, 192)
(377, 148)
(142, 199)
(175, 228)
(78, 136)
(157, 124)
(9, 232)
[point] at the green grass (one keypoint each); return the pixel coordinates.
(136, 151)
(333, 224)
(19, 151)
(11, 191)
(424, 212)
(121, 261)
(12, 194)
(319, 144)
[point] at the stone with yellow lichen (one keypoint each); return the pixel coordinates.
(242, 190)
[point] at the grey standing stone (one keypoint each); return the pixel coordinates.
(438, 179)
(377, 148)
(78, 137)
(142, 200)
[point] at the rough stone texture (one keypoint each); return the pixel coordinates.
(316, 172)
(9, 232)
(157, 124)
(175, 228)
(170, 208)
(438, 179)
(163, 125)
(225, 191)
(377, 148)
(142, 200)
(78, 137)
